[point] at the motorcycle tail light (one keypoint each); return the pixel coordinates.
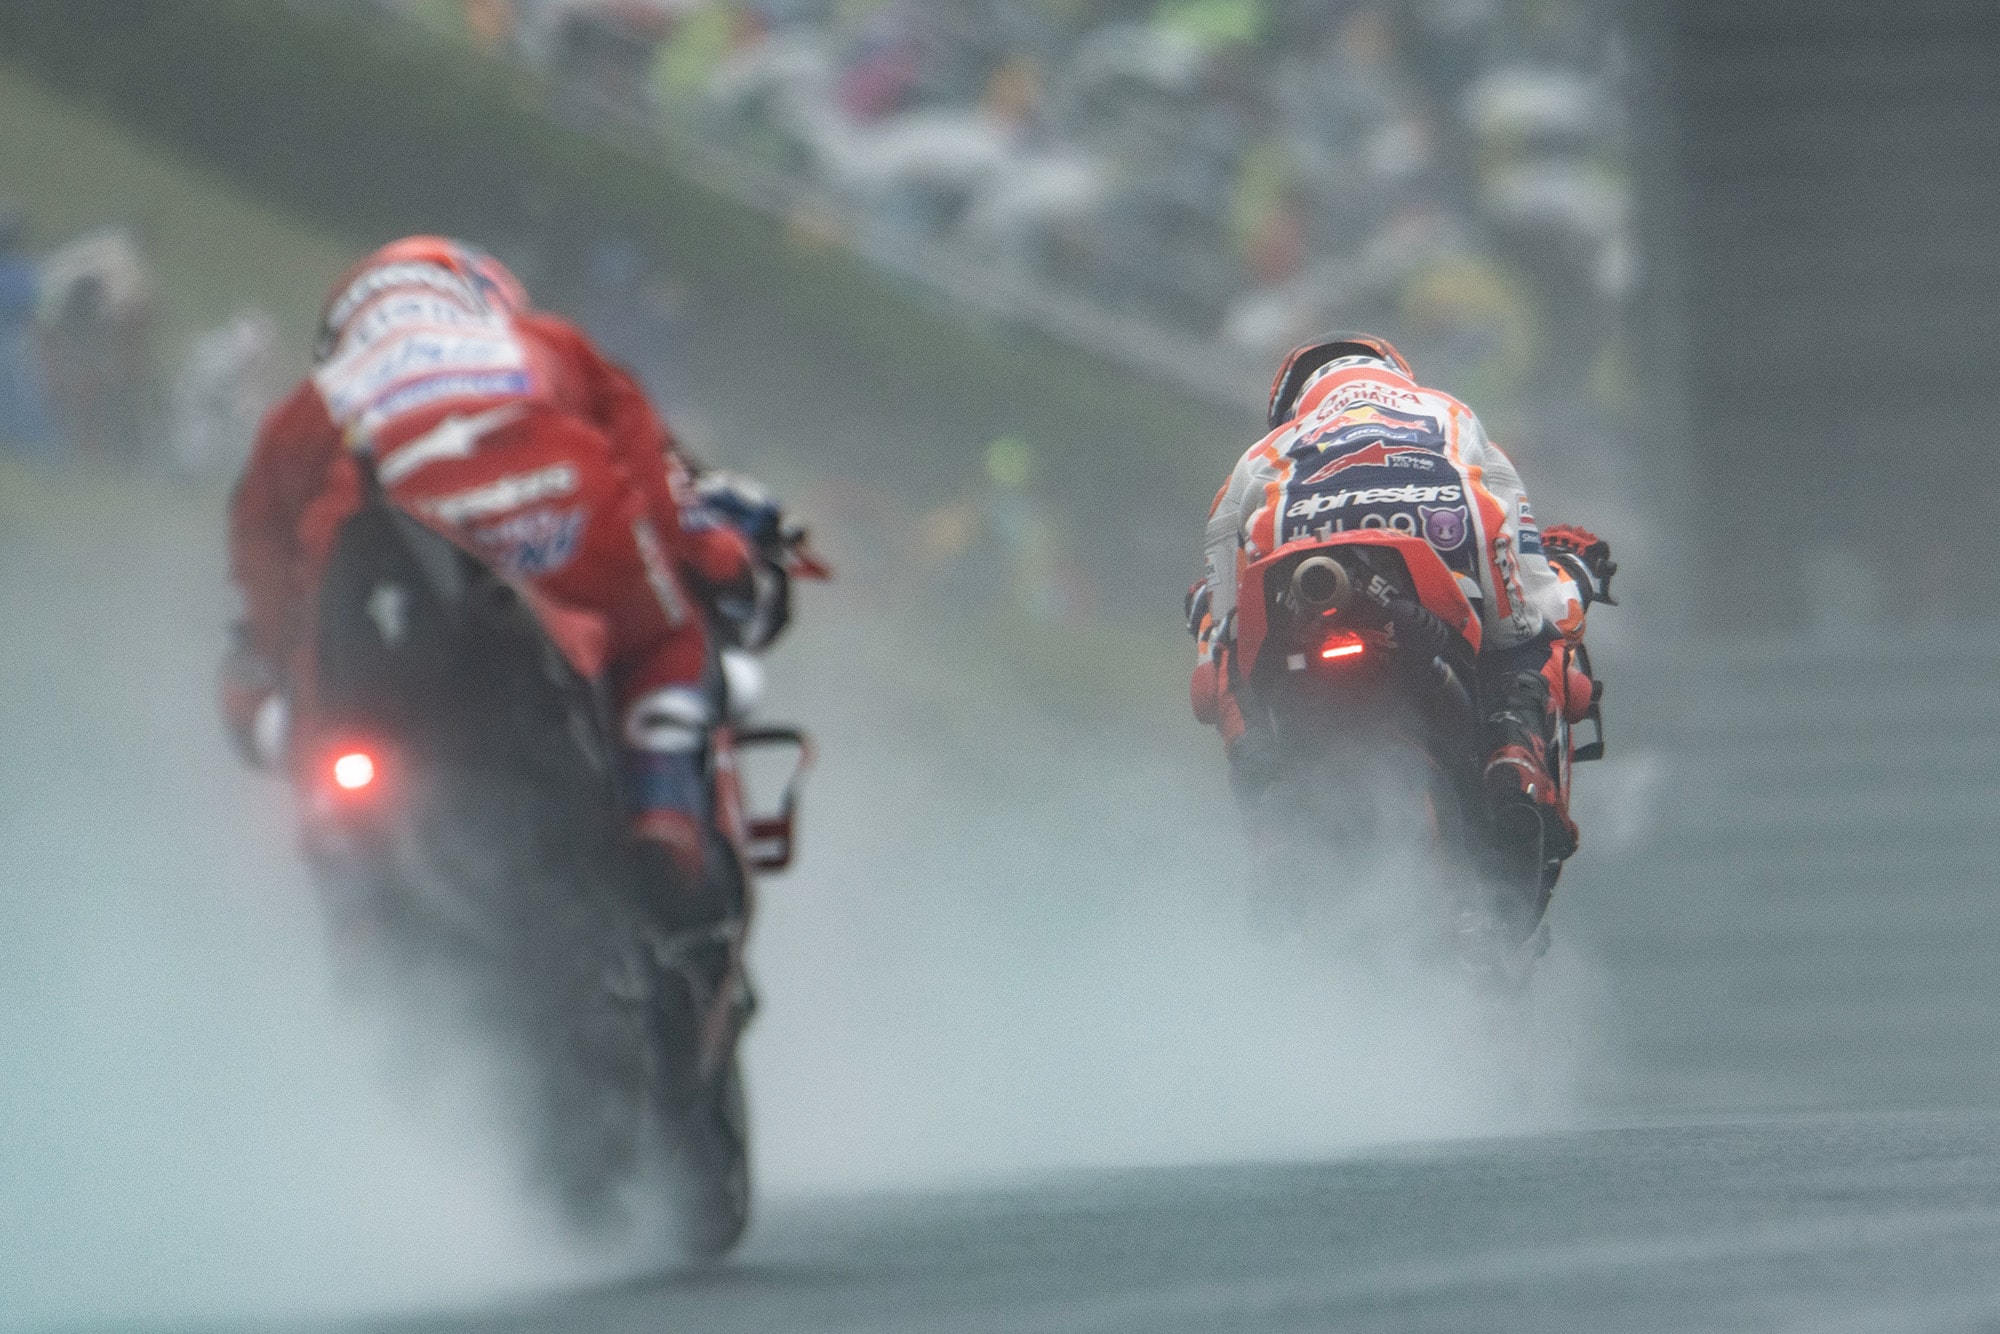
(354, 771)
(1344, 644)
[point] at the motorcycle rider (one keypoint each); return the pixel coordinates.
(506, 428)
(1350, 429)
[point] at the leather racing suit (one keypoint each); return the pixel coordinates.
(1370, 447)
(542, 455)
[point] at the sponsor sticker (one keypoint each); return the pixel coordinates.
(413, 310)
(1445, 527)
(1375, 455)
(353, 382)
(1519, 614)
(453, 438)
(516, 491)
(1373, 393)
(537, 542)
(1370, 421)
(1531, 536)
(415, 274)
(437, 388)
(1310, 507)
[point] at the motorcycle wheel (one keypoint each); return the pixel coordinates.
(712, 1169)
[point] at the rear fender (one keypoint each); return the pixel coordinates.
(1433, 585)
(425, 651)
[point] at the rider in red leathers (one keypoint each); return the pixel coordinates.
(508, 430)
(1355, 442)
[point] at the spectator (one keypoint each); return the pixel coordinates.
(603, 48)
(22, 421)
(96, 323)
(490, 24)
(698, 48)
(883, 71)
(226, 383)
(1215, 170)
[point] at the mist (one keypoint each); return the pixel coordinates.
(1010, 959)
(995, 961)
(1669, 253)
(198, 1124)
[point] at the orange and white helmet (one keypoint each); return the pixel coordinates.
(460, 272)
(1307, 359)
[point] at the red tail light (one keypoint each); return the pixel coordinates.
(354, 770)
(1343, 644)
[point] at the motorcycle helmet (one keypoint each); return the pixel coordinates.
(1305, 359)
(454, 267)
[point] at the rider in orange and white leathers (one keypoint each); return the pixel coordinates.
(1356, 442)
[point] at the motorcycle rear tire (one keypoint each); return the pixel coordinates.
(712, 1169)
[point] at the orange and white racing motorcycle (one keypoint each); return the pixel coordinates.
(1355, 663)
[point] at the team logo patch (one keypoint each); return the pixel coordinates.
(1445, 526)
(1366, 422)
(1377, 455)
(512, 492)
(541, 541)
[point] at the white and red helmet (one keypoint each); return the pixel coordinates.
(452, 268)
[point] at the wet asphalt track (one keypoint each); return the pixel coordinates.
(1789, 897)
(1815, 1223)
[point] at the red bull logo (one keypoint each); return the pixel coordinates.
(1376, 455)
(1387, 438)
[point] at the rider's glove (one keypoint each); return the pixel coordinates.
(756, 611)
(1586, 556)
(1195, 606)
(748, 508)
(255, 711)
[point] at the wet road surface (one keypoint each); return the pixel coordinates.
(1787, 898)
(1809, 1223)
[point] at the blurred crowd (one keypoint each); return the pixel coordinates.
(1242, 172)
(81, 367)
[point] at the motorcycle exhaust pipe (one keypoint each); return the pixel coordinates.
(1320, 583)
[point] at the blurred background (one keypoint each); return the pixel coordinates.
(990, 292)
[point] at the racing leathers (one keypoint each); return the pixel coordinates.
(532, 449)
(1369, 447)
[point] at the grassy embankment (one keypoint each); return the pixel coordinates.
(221, 240)
(217, 247)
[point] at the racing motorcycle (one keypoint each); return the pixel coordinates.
(1359, 651)
(464, 808)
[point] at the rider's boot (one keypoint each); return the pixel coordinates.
(699, 891)
(1517, 718)
(1520, 794)
(1524, 807)
(1254, 761)
(1255, 758)
(666, 769)
(1519, 781)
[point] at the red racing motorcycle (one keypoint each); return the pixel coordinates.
(464, 809)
